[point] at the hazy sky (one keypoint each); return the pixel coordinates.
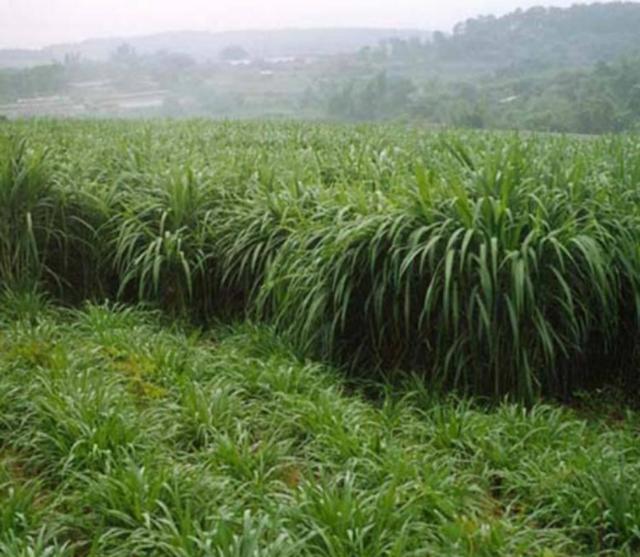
(35, 23)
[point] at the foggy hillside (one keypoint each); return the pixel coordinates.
(205, 46)
(563, 70)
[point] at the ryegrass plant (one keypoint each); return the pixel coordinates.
(28, 213)
(159, 243)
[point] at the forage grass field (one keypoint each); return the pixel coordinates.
(266, 339)
(489, 263)
(124, 433)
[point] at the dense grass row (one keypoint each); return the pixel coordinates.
(121, 435)
(495, 263)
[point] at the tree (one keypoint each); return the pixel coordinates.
(234, 53)
(597, 115)
(124, 55)
(634, 101)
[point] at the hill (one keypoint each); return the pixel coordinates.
(204, 46)
(542, 38)
(549, 69)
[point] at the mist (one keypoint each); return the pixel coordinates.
(570, 68)
(37, 23)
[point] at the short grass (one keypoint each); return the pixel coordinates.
(124, 435)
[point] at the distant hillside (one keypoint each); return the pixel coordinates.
(551, 69)
(541, 38)
(207, 46)
(529, 40)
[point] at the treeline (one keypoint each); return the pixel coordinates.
(32, 82)
(125, 68)
(552, 69)
(604, 99)
(525, 40)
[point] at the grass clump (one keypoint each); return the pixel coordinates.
(486, 277)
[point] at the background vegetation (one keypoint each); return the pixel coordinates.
(565, 70)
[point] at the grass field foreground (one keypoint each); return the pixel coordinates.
(125, 435)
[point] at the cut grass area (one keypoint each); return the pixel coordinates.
(123, 435)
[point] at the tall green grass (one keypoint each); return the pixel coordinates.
(492, 263)
(487, 278)
(27, 213)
